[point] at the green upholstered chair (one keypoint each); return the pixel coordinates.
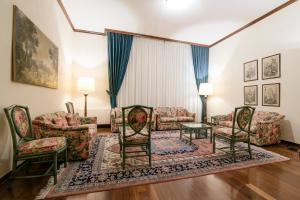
(240, 132)
(27, 148)
(136, 132)
(70, 107)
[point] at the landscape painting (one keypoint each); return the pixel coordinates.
(271, 94)
(251, 71)
(271, 67)
(35, 57)
(250, 95)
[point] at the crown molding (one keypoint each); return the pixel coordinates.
(255, 21)
(284, 5)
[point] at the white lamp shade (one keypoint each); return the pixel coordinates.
(86, 84)
(206, 89)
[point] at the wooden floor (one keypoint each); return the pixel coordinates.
(272, 181)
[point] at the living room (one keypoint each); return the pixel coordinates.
(200, 79)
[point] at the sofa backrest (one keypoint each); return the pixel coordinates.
(48, 118)
(118, 112)
(260, 116)
(171, 111)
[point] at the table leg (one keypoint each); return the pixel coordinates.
(191, 134)
(211, 135)
(180, 133)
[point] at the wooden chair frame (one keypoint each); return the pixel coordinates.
(30, 157)
(70, 107)
(233, 139)
(123, 138)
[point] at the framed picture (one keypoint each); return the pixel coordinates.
(271, 94)
(271, 67)
(251, 71)
(35, 57)
(250, 95)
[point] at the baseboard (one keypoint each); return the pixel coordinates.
(103, 126)
(291, 145)
(4, 178)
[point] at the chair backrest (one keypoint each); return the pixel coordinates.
(70, 107)
(242, 118)
(137, 119)
(20, 124)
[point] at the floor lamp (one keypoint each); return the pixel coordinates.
(86, 85)
(205, 90)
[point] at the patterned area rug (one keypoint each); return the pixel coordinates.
(172, 159)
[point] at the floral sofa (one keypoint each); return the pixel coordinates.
(167, 118)
(163, 118)
(116, 119)
(79, 131)
(265, 126)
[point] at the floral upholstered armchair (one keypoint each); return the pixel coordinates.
(79, 132)
(265, 126)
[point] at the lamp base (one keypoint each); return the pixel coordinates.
(85, 105)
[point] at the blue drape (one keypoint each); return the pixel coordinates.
(200, 61)
(119, 46)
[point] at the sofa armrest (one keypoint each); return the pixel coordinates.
(217, 118)
(88, 120)
(274, 120)
(193, 115)
(75, 128)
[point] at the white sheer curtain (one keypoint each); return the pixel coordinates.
(160, 73)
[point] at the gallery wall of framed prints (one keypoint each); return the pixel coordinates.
(270, 69)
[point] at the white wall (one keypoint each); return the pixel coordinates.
(279, 33)
(47, 15)
(90, 59)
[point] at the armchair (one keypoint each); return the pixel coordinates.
(79, 134)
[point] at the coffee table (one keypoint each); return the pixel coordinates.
(190, 129)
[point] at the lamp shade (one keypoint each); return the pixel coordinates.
(206, 89)
(86, 84)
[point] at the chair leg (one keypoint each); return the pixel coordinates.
(149, 152)
(249, 148)
(233, 151)
(66, 158)
(214, 143)
(123, 157)
(55, 168)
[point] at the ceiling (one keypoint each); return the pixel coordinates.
(198, 21)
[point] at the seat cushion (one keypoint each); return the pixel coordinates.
(185, 119)
(137, 139)
(226, 123)
(227, 132)
(168, 119)
(45, 145)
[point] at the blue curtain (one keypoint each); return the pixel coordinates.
(119, 46)
(200, 61)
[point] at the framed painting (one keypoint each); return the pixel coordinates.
(271, 94)
(35, 57)
(250, 95)
(271, 67)
(251, 71)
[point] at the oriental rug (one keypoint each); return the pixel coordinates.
(172, 159)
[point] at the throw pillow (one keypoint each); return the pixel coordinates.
(60, 121)
(73, 119)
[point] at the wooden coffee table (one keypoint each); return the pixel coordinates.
(196, 129)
